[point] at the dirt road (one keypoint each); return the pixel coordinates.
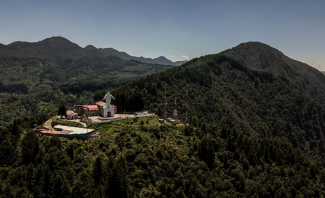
(48, 124)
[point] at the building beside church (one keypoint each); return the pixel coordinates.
(104, 109)
(71, 115)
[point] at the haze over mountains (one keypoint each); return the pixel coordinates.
(51, 45)
(56, 60)
(113, 52)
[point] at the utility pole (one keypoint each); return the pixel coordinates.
(165, 100)
(156, 72)
(186, 102)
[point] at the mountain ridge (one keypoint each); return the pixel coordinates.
(262, 57)
(63, 43)
(223, 92)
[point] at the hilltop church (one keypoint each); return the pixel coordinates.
(99, 109)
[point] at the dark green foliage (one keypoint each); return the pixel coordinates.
(99, 95)
(59, 185)
(117, 182)
(206, 151)
(15, 131)
(29, 147)
(98, 170)
(322, 177)
(8, 145)
(132, 160)
(53, 142)
(313, 171)
(223, 92)
(129, 100)
(14, 88)
(261, 57)
(62, 111)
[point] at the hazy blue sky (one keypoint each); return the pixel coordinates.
(174, 29)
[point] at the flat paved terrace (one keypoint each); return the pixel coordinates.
(117, 116)
(74, 130)
(98, 119)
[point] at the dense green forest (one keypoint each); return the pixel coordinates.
(143, 158)
(226, 93)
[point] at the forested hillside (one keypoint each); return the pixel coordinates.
(38, 77)
(251, 134)
(47, 101)
(143, 158)
(261, 57)
(224, 92)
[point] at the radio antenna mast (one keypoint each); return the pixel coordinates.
(175, 108)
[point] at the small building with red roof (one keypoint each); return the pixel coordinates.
(104, 109)
(93, 110)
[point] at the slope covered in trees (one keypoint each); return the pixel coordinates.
(16, 105)
(143, 158)
(226, 93)
(261, 57)
(39, 76)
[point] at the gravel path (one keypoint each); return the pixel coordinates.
(48, 124)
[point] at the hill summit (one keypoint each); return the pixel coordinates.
(261, 57)
(224, 92)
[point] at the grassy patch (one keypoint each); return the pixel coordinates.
(66, 123)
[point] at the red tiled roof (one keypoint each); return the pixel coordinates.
(40, 129)
(92, 107)
(56, 132)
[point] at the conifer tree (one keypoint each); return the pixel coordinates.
(62, 111)
(98, 170)
(29, 147)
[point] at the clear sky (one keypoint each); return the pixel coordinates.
(175, 29)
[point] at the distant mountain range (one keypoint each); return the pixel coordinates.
(51, 45)
(56, 60)
(113, 52)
